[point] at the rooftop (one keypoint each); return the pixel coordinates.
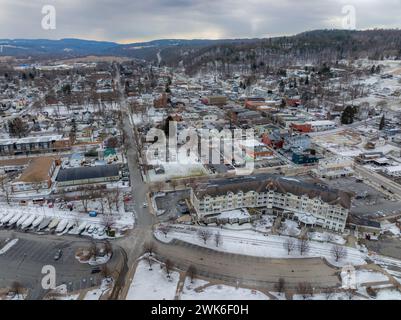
(37, 170)
(293, 185)
(84, 173)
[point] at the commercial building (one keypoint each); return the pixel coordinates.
(31, 145)
(307, 203)
(322, 125)
(88, 175)
(37, 176)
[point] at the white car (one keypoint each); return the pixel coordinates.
(145, 205)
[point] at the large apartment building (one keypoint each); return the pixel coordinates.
(308, 203)
(32, 145)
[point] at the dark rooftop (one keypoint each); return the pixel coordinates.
(83, 173)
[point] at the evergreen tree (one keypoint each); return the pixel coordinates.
(347, 117)
(382, 123)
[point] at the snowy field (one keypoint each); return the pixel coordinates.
(152, 284)
(252, 243)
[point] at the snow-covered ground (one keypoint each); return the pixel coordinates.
(234, 214)
(388, 294)
(366, 276)
(97, 293)
(247, 242)
(290, 228)
(152, 284)
(326, 236)
(218, 292)
(392, 228)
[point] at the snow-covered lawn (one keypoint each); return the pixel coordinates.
(366, 276)
(392, 228)
(234, 214)
(388, 294)
(218, 292)
(152, 284)
(247, 242)
(69, 297)
(9, 244)
(264, 223)
(326, 236)
(290, 228)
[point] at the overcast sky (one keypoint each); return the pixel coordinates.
(138, 20)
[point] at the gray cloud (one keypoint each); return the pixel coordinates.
(134, 20)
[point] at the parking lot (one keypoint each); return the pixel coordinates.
(25, 260)
(368, 201)
(169, 203)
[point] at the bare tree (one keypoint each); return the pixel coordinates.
(174, 184)
(305, 290)
(105, 271)
(218, 239)
(280, 285)
(338, 252)
(149, 248)
(303, 245)
(168, 265)
(108, 248)
(289, 245)
(158, 186)
(110, 201)
(328, 293)
(165, 229)
(93, 250)
(204, 234)
(85, 197)
(101, 202)
(17, 289)
(108, 220)
(149, 260)
(350, 293)
(5, 189)
(191, 273)
(115, 198)
(329, 237)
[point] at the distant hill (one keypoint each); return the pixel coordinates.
(225, 55)
(43, 47)
(314, 47)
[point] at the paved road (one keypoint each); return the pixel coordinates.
(388, 247)
(133, 243)
(379, 180)
(251, 271)
(25, 260)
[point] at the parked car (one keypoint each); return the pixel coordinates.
(95, 270)
(58, 255)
